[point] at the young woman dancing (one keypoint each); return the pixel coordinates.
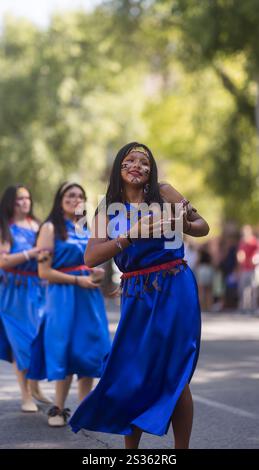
(145, 382)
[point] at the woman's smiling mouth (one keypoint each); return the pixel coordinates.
(135, 173)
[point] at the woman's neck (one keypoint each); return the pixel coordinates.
(20, 218)
(134, 195)
(70, 217)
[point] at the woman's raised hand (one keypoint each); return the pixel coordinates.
(152, 226)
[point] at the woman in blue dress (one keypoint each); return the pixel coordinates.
(145, 381)
(74, 336)
(21, 291)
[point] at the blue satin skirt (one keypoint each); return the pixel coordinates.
(20, 300)
(5, 346)
(73, 337)
(153, 356)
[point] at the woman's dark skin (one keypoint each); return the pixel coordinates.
(134, 176)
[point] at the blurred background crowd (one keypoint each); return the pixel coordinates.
(227, 270)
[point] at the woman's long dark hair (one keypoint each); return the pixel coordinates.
(56, 215)
(114, 191)
(7, 207)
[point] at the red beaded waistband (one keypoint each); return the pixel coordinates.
(81, 267)
(18, 271)
(153, 269)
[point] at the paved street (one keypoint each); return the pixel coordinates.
(225, 388)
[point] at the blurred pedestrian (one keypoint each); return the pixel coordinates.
(74, 336)
(247, 249)
(204, 275)
(21, 290)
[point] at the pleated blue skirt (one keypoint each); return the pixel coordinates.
(73, 337)
(154, 354)
(20, 299)
(5, 346)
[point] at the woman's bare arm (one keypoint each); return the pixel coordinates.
(10, 260)
(100, 249)
(45, 243)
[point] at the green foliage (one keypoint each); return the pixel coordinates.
(222, 36)
(178, 75)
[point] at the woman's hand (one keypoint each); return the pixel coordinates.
(87, 282)
(190, 209)
(152, 226)
(97, 274)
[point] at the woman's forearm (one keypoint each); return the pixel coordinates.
(56, 277)
(11, 260)
(98, 253)
(197, 228)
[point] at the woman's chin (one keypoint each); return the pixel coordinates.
(136, 182)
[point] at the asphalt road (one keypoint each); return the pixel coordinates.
(225, 389)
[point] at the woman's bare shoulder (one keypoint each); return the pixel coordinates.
(169, 193)
(47, 228)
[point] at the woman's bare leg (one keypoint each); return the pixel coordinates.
(85, 385)
(132, 441)
(37, 392)
(62, 389)
(182, 419)
(23, 383)
(28, 404)
(34, 386)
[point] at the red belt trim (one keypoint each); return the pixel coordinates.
(153, 269)
(82, 267)
(17, 271)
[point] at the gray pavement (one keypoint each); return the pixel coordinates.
(225, 390)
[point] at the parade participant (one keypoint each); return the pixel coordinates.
(73, 337)
(21, 291)
(145, 382)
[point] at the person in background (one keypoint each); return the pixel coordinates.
(247, 249)
(191, 253)
(21, 290)
(204, 276)
(73, 337)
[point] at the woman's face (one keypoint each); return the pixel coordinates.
(135, 168)
(22, 202)
(72, 199)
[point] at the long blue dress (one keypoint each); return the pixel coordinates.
(73, 337)
(21, 299)
(155, 348)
